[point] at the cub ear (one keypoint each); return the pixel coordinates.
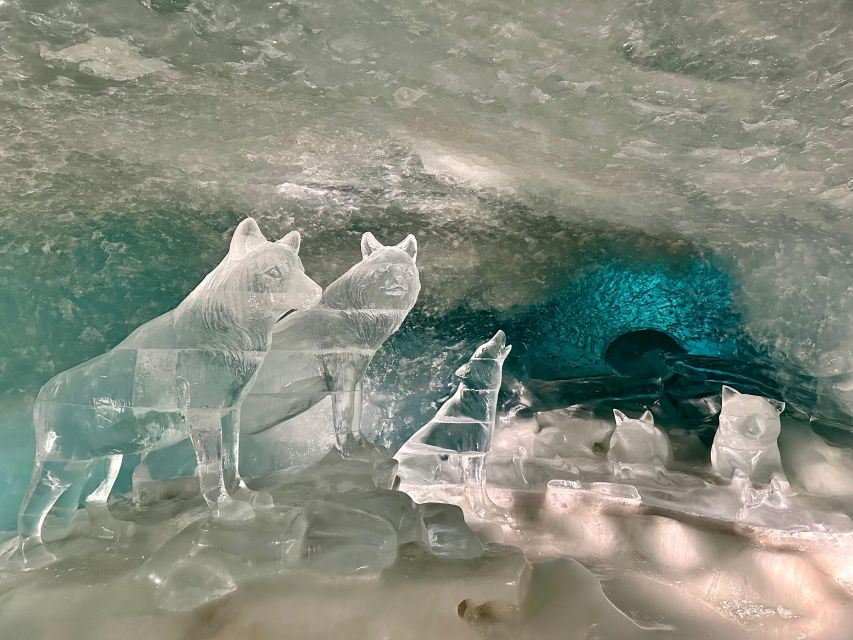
(369, 244)
(620, 417)
(292, 240)
(410, 246)
(779, 405)
(247, 237)
(729, 393)
(647, 417)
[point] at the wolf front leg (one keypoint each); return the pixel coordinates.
(346, 414)
(51, 479)
(231, 464)
(343, 377)
(210, 443)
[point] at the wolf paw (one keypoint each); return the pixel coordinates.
(25, 554)
(260, 500)
(231, 510)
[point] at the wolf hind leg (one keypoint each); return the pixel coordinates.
(51, 478)
(58, 521)
(105, 526)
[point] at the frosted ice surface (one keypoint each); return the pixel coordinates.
(746, 440)
(110, 58)
(325, 350)
(183, 373)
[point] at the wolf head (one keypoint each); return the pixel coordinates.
(749, 420)
(386, 278)
(259, 277)
(484, 369)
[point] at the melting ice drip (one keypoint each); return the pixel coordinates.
(462, 428)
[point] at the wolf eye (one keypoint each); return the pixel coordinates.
(274, 272)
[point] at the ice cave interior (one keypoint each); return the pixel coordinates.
(409, 319)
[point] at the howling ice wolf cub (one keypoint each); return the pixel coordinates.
(325, 350)
(184, 373)
(462, 428)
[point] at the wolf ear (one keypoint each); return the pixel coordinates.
(410, 246)
(247, 237)
(369, 244)
(647, 417)
(292, 240)
(619, 416)
(779, 405)
(729, 393)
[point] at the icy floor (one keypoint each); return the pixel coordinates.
(340, 556)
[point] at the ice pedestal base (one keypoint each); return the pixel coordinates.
(340, 557)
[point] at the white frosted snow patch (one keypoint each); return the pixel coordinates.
(405, 97)
(298, 191)
(110, 58)
(469, 169)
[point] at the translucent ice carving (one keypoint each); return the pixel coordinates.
(464, 425)
(746, 437)
(326, 349)
(637, 446)
(184, 373)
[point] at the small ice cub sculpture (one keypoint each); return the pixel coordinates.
(183, 373)
(465, 424)
(326, 349)
(746, 438)
(637, 446)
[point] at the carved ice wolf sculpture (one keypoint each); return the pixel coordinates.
(326, 349)
(747, 435)
(186, 371)
(464, 425)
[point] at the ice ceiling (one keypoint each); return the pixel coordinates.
(575, 172)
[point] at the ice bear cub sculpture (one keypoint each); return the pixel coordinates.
(747, 435)
(637, 446)
(463, 426)
(325, 350)
(183, 373)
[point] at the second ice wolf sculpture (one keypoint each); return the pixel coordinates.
(183, 372)
(325, 350)
(746, 439)
(463, 426)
